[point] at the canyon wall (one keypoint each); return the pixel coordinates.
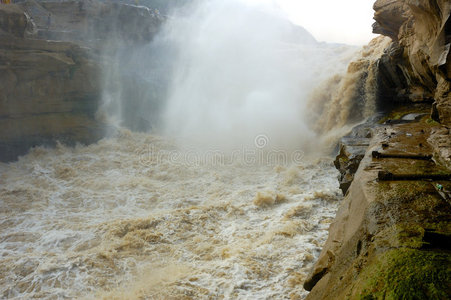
(416, 66)
(52, 55)
(390, 238)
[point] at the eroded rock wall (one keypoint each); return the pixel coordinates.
(49, 89)
(51, 67)
(390, 237)
(416, 67)
(92, 23)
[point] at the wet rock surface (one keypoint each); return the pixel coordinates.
(440, 141)
(390, 238)
(352, 149)
(416, 66)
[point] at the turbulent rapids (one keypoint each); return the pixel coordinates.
(131, 218)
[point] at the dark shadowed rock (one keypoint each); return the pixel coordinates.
(352, 148)
(416, 67)
(51, 56)
(13, 21)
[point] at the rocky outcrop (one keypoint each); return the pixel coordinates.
(352, 148)
(50, 91)
(51, 65)
(417, 65)
(390, 238)
(93, 23)
(390, 15)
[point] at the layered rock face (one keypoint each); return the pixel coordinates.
(51, 56)
(93, 23)
(417, 65)
(50, 91)
(390, 238)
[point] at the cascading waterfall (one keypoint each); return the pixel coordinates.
(346, 99)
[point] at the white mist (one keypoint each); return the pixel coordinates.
(242, 70)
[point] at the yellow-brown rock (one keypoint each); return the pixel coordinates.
(390, 237)
(417, 66)
(49, 90)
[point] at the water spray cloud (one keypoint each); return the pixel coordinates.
(240, 70)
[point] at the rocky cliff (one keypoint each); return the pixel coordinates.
(416, 66)
(391, 236)
(51, 60)
(49, 91)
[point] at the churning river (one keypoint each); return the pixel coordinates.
(135, 217)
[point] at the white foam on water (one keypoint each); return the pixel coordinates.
(115, 221)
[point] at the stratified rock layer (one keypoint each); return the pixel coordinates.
(51, 56)
(390, 238)
(417, 65)
(50, 91)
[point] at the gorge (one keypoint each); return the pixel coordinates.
(164, 151)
